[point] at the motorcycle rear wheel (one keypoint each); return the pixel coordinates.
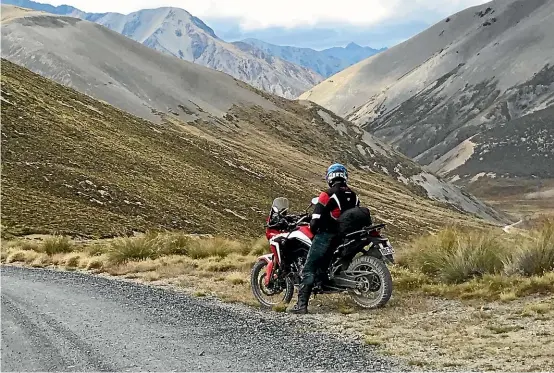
(380, 283)
(260, 291)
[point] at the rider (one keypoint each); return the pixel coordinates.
(329, 207)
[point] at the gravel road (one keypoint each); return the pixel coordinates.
(69, 321)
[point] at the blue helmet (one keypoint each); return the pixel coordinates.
(336, 171)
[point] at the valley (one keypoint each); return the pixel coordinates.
(141, 154)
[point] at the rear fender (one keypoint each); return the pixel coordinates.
(373, 250)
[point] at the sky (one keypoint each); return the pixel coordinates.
(306, 23)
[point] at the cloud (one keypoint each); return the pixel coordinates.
(260, 14)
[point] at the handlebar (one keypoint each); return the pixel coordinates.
(290, 221)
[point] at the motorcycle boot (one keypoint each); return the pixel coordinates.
(301, 306)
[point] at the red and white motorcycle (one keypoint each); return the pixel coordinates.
(357, 266)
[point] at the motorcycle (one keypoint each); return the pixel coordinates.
(357, 266)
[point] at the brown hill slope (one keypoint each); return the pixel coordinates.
(76, 165)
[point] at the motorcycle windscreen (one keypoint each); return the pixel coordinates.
(280, 204)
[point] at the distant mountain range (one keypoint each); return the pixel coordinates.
(326, 62)
(284, 71)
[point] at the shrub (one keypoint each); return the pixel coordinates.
(56, 245)
(535, 256)
(453, 256)
(133, 248)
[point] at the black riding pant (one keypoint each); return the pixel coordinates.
(317, 257)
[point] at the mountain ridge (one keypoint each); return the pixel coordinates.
(326, 62)
(471, 73)
(176, 32)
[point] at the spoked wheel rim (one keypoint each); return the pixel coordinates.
(272, 294)
(370, 287)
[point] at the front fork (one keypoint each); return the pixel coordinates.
(270, 268)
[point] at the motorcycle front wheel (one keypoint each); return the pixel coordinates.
(277, 292)
(375, 289)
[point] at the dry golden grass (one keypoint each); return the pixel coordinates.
(235, 278)
(42, 260)
(372, 341)
(19, 255)
(479, 263)
(57, 245)
(409, 326)
(452, 264)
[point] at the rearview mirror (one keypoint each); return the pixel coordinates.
(315, 200)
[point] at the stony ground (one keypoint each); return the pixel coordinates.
(70, 321)
(421, 331)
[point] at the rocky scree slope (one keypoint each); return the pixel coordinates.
(75, 165)
(475, 73)
(523, 147)
(326, 62)
(176, 32)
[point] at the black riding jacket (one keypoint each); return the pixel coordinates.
(330, 205)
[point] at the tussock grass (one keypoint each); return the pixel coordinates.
(507, 296)
(93, 263)
(24, 244)
(19, 255)
(95, 249)
(126, 249)
(42, 260)
(154, 245)
(57, 245)
(535, 256)
(455, 257)
(72, 260)
(217, 247)
(259, 247)
(453, 263)
(490, 287)
(538, 308)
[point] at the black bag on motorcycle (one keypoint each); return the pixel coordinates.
(354, 219)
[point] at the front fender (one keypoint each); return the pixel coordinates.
(267, 257)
